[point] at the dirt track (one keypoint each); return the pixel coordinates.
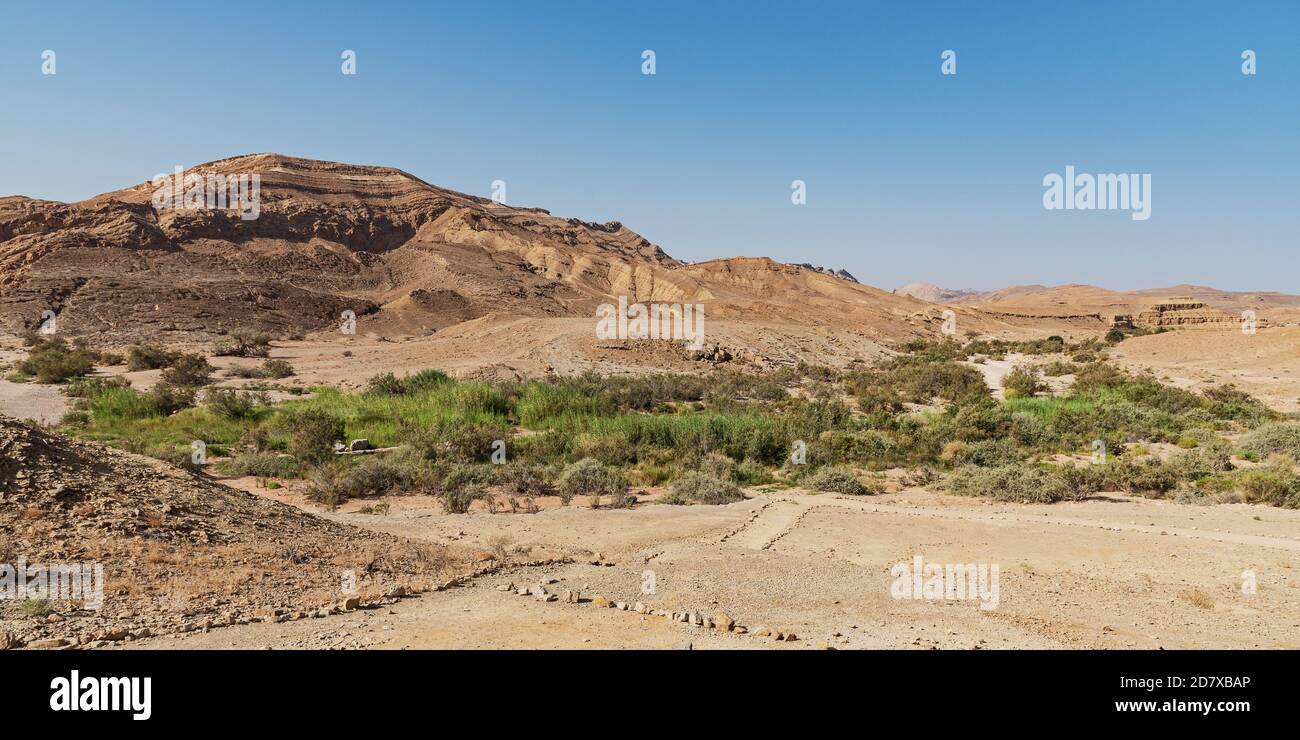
(1110, 573)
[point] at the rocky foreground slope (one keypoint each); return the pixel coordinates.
(179, 552)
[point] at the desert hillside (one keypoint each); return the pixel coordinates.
(406, 256)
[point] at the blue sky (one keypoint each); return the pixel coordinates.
(911, 175)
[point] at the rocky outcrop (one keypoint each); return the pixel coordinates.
(1189, 313)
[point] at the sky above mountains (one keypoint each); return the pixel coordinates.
(910, 174)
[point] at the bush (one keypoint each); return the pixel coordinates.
(270, 369)
(1148, 478)
(1022, 483)
(454, 440)
(589, 477)
(243, 343)
(168, 398)
(190, 369)
(51, 360)
(703, 488)
(524, 479)
(233, 404)
(388, 384)
(1023, 381)
(1275, 486)
(149, 357)
(373, 476)
(1273, 438)
(313, 434)
(276, 369)
(261, 465)
(834, 479)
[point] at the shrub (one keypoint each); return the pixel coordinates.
(1149, 477)
(703, 488)
(261, 465)
(51, 360)
(373, 476)
(388, 384)
(313, 434)
(834, 479)
(233, 404)
(454, 440)
(149, 357)
(589, 477)
(524, 479)
(1019, 483)
(34, 608)
(189, 369)
(168, 398)
(243, 343)
(1276, 486)
(276, 369)
(1272, 438)
(1023, 381)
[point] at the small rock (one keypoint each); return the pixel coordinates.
(8, 641)
(351, 603)
(639, 608)
(601, 602)
(53, 642)
(723, 622)
(620, 605)
(570, 596)
(506, 587)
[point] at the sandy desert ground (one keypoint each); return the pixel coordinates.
(1113, 573)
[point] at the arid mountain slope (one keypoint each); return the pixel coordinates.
(330, 237)
(1039, 301)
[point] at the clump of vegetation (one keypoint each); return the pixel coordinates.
(234, 404)
(1281, 438)
(313, 434)
(588, 477)
(243, 342)
(1023, 484)
(51, 359)
(524, 479)
(149, 357)
(834, 479)
(167, 398)
(261, 465)
(268, 370)
(188, 369)
(702, 488)
(388, 384)
(1022, 382)
(371, 477)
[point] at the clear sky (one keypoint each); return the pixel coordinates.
(911, 175)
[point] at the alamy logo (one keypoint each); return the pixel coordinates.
(181, 191)
(1107, 192)
(672, 321)
(946, 581)
(93, 694)
(82, 582)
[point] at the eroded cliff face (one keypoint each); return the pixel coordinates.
(1186, 312)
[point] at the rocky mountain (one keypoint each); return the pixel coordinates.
(404, 254)
(933, 293)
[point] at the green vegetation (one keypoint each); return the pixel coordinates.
(923, 409)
